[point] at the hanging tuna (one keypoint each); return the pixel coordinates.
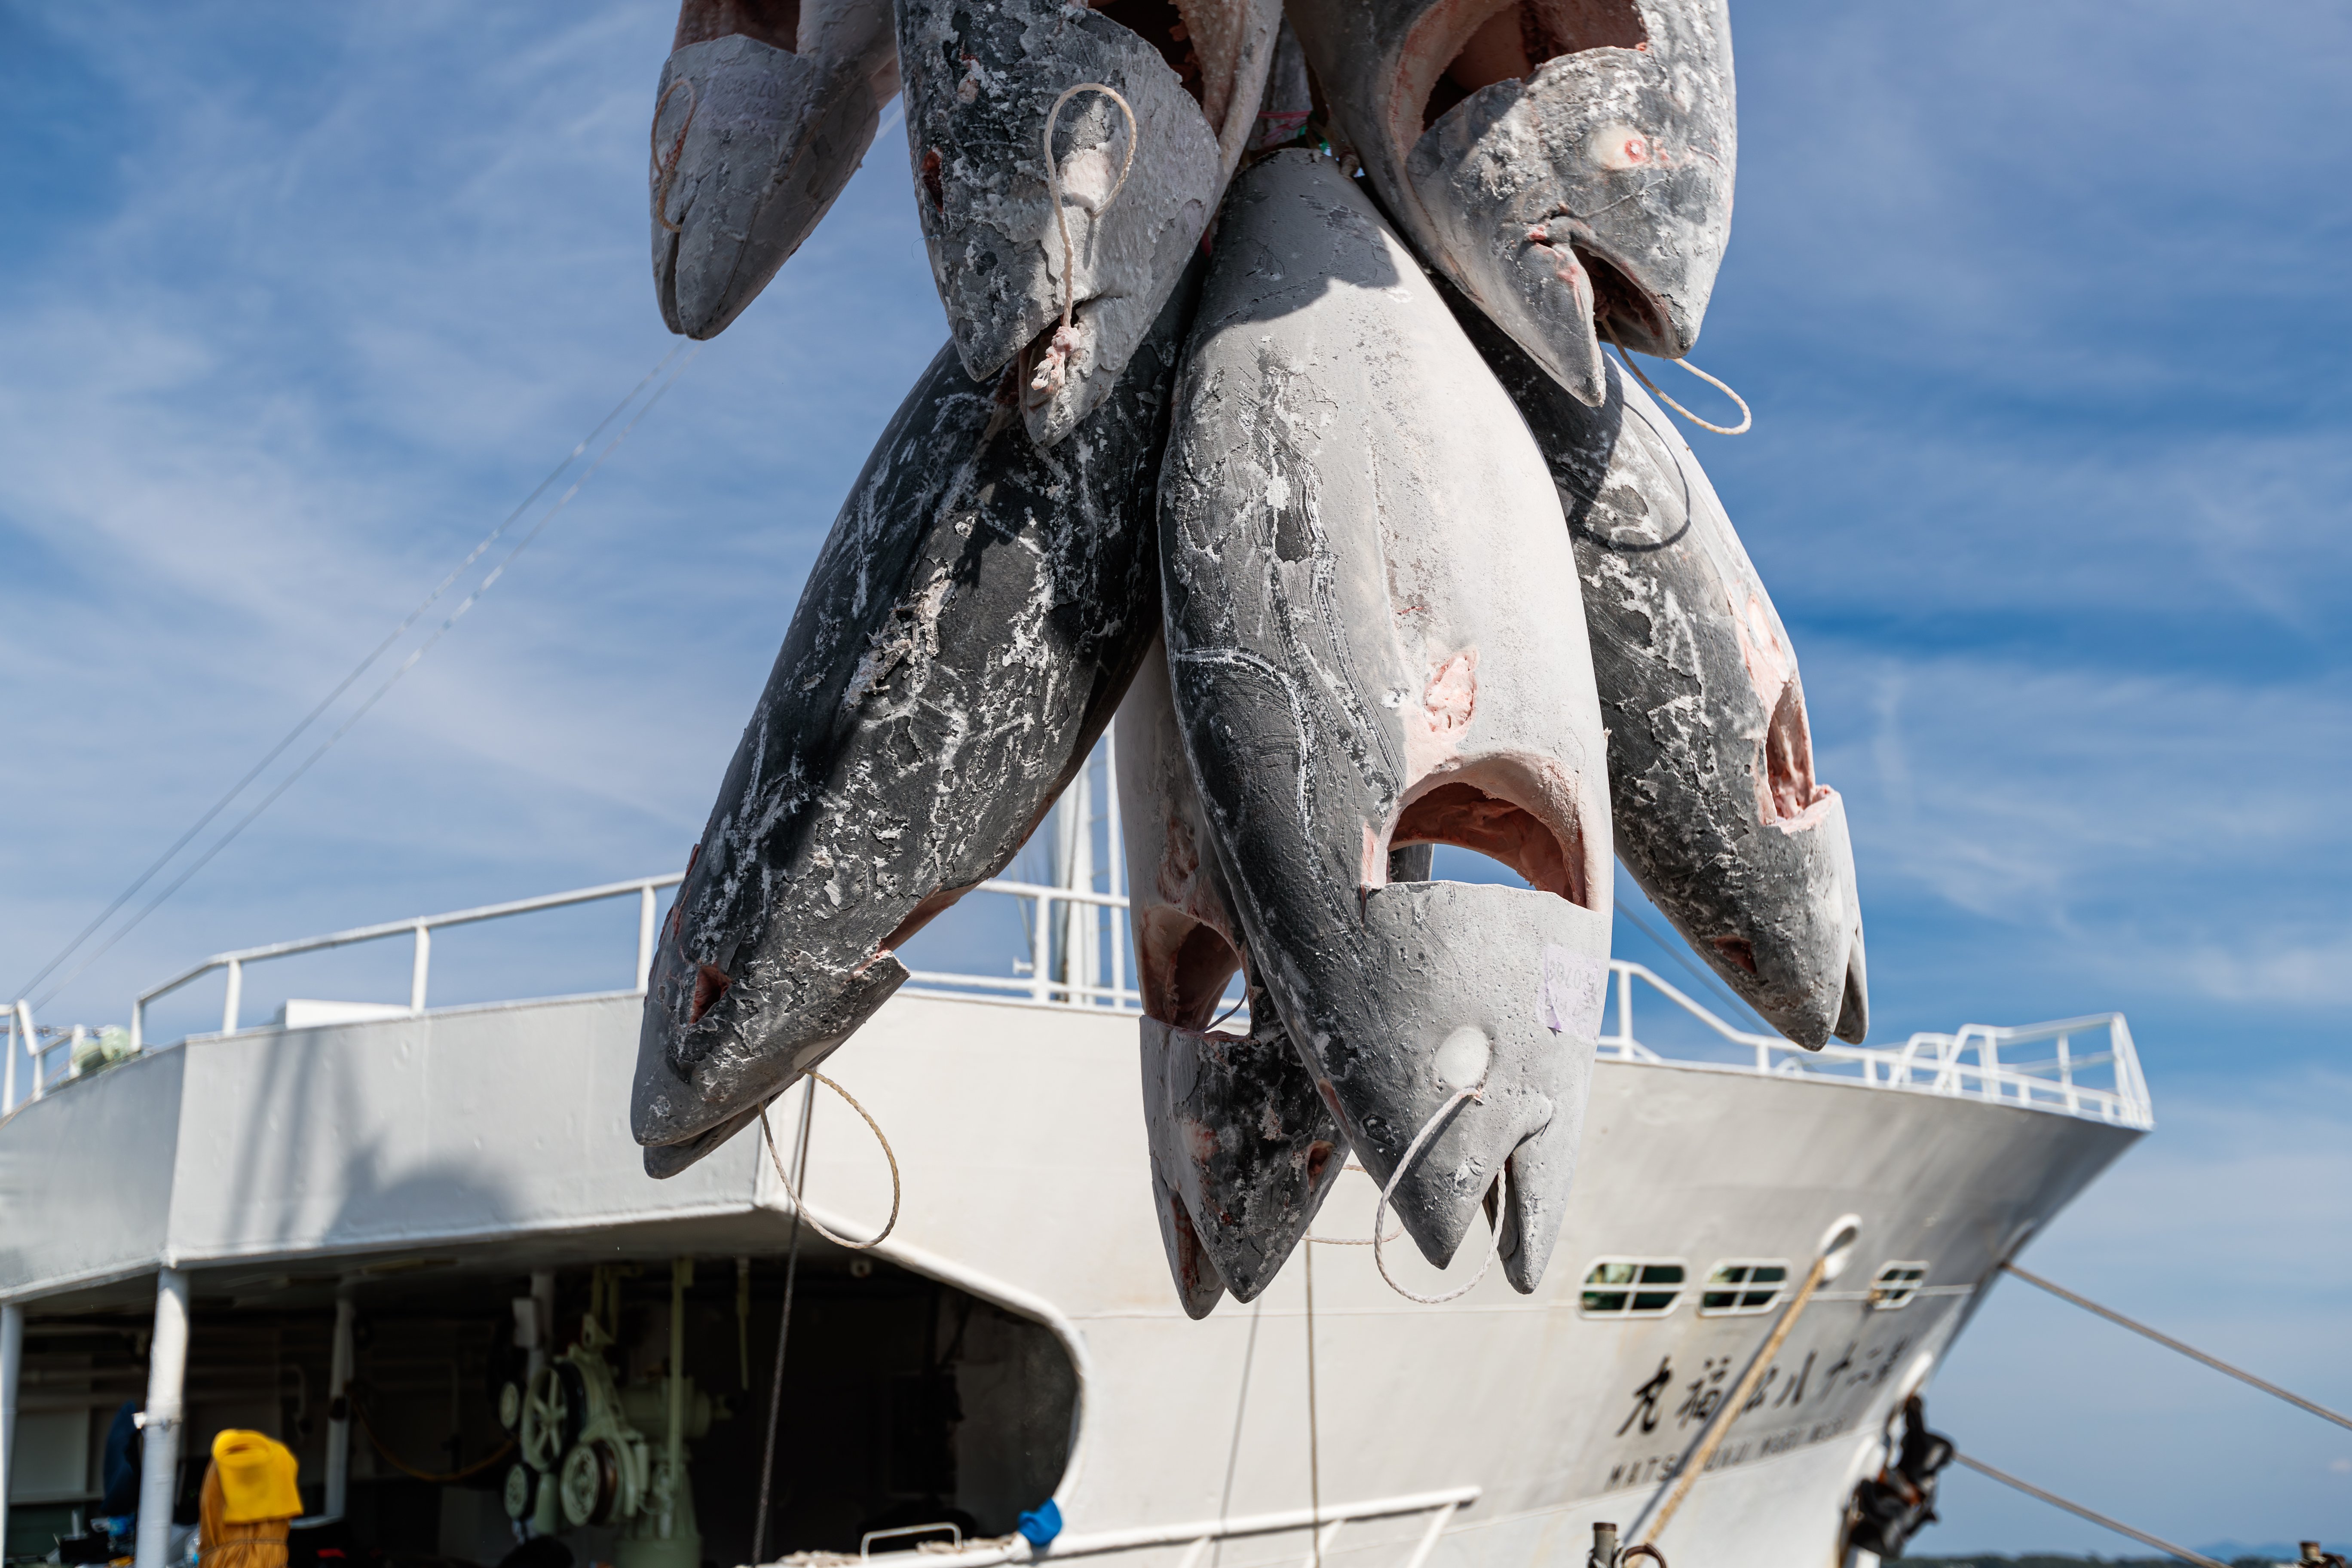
(1243, 1148)
(1718, 815)
(966, 633)
(1567, 164)
(1066, 167)
(1373, 627)
(765, 111)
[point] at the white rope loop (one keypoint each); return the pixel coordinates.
(1354, 1240)
(665, 171)
(1052, 370)
(1413, 1152)
(768, 1135)
(1746, 418)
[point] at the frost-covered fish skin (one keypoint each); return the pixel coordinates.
(1372, 623)
(982, 77)
(764, 109)
(1567, 164)
(1718, 815)
(1243, 1150)
(966, 633)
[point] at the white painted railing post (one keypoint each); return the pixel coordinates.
(29, 1040)
(233, 998)
(1041, 976)
(1625, 1008)
(419, 967)
(8, 1074)
(167, 1375)
(645, 901)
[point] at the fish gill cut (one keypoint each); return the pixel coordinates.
(1567, 164)
(965, 635)
(1243, 1148)
(1372, 626)
(1717, 811)
(764, 109)
(981, 79)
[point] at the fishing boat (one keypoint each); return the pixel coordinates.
(415, 1243)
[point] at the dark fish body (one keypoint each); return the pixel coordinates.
(1372, 625)
(1567, 164)
(753, 137)
(1718, 815)
(1243, 1148)
(965, 635)
(982, 77)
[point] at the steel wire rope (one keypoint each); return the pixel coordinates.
(2118, 1526)
(1713, 982)
(346, 683)
(784, 1328)
(2168, 1342)
(407, 665)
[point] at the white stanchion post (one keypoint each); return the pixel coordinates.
(167, 1376)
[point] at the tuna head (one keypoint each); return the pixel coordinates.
(765, 111)
(1567, 164)
(1243, 1149)
(1375, 640)
(1062, 264)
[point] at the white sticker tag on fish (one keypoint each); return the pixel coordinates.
(1575, 989)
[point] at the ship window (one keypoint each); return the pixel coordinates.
(1743, 1285)
(1896, 1283)
(1632, 1287)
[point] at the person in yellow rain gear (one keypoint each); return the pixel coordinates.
(249, 1500)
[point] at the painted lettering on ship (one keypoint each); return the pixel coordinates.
(1834, 1380)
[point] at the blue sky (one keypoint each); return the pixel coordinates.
(2040, 308)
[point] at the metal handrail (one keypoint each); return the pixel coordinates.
(420, 930)
(1967, 1062)
(1197, 1537)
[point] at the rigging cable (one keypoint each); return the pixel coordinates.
(2168, 1342)
(407, 665)
(1712, 982)
(2117, 1525)
(784, 1329)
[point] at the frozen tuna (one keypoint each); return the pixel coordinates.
(765, 108)
(1243, 1148)
(1374, 630)
(1129, 201)
(966, 633)
(1718, 815)
(1568, 163)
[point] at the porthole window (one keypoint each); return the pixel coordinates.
(1743, 1285)
(1896, 1283)
(1632, 1287)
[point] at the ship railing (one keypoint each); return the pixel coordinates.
(1077, 939)
(1981, 1061)
(1198, 1538)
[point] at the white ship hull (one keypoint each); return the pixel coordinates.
(271, 1164)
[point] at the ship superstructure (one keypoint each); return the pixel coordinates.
(356, 1227)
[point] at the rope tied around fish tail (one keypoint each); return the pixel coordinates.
(1052, 370)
